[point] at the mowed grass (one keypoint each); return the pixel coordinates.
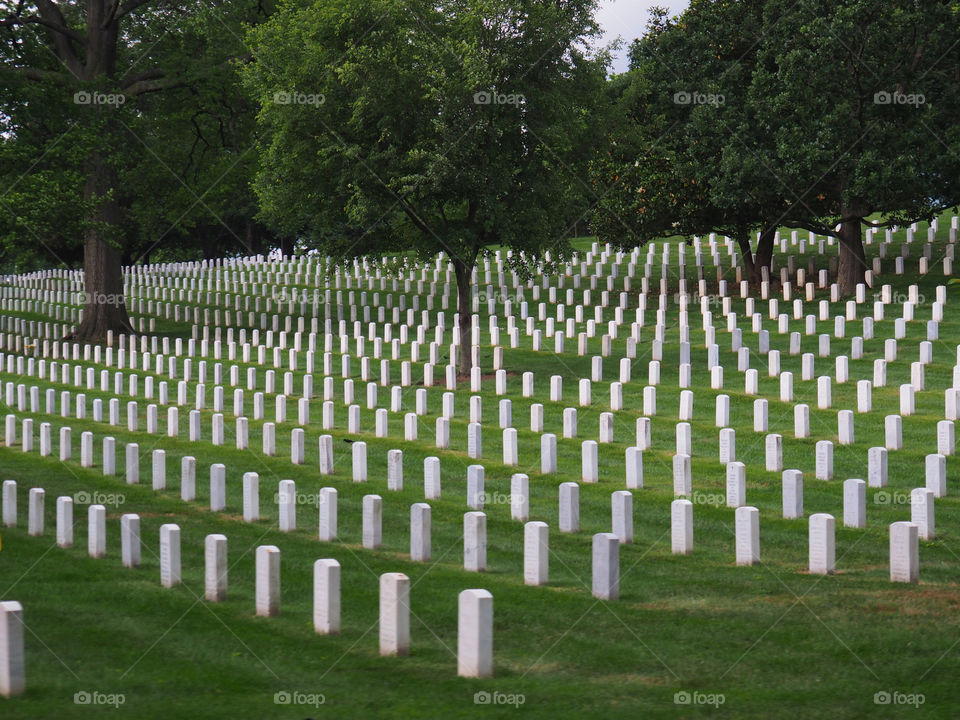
(770, 639)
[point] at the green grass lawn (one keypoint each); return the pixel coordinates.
(768, 640)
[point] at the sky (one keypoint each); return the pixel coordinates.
(628, 18)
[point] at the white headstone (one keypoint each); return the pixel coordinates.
(420, 532)
(96, 531)
(621, 502)
(824, 460)
(682, 478)
(394, 614)
(251, 497)
(536, 553)
(475, 634)
(169, 555)
(822, 544)
(519, 497)
(287, 502)
(801, 421)
(12, 672)
(218, 487)
(431, 478)
(548, 453)
(569, 507)
(188, 478)
(475, 541)
(327, 514)
(130, 540)
(946, 441)
(359, 457)
(877, 467)
(215, 567)
(922, 514)
(606, 566)
(372, 521)
(936, 474)
(326, 597)
(65, 521)
(35, 516)
(589, 461)
(681, 526)
(893, 432)
(904, 552)
(159, 463)
(792, 483)
(267, 590)
(747, 523)
(736, 484)
(854, 503)
(10, 503)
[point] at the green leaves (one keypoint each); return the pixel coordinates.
(168, 122)
(448, 126)
(738, 116)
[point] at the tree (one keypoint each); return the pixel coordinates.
(107, 154)
(200, 158)
(854, 106)
(745, 116)
(677, 109)
(426, 127)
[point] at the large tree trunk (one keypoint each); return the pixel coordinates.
(465, 310)
(764, 255)
(104, 307)
(746, 252)
(253, 240)
(853, 261)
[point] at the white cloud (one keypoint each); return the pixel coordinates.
(628, 19)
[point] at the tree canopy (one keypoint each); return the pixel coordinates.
(746, 116)
(124, 136)
(447, 127)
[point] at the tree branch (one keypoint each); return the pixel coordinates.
(111, 14)
(911, 221)
(139, 83)
(35, 74)
(147, 86)
(51, 14)
(814, 227)
(411, 214)
(15, 20)
(128, 80)
(128, 7)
